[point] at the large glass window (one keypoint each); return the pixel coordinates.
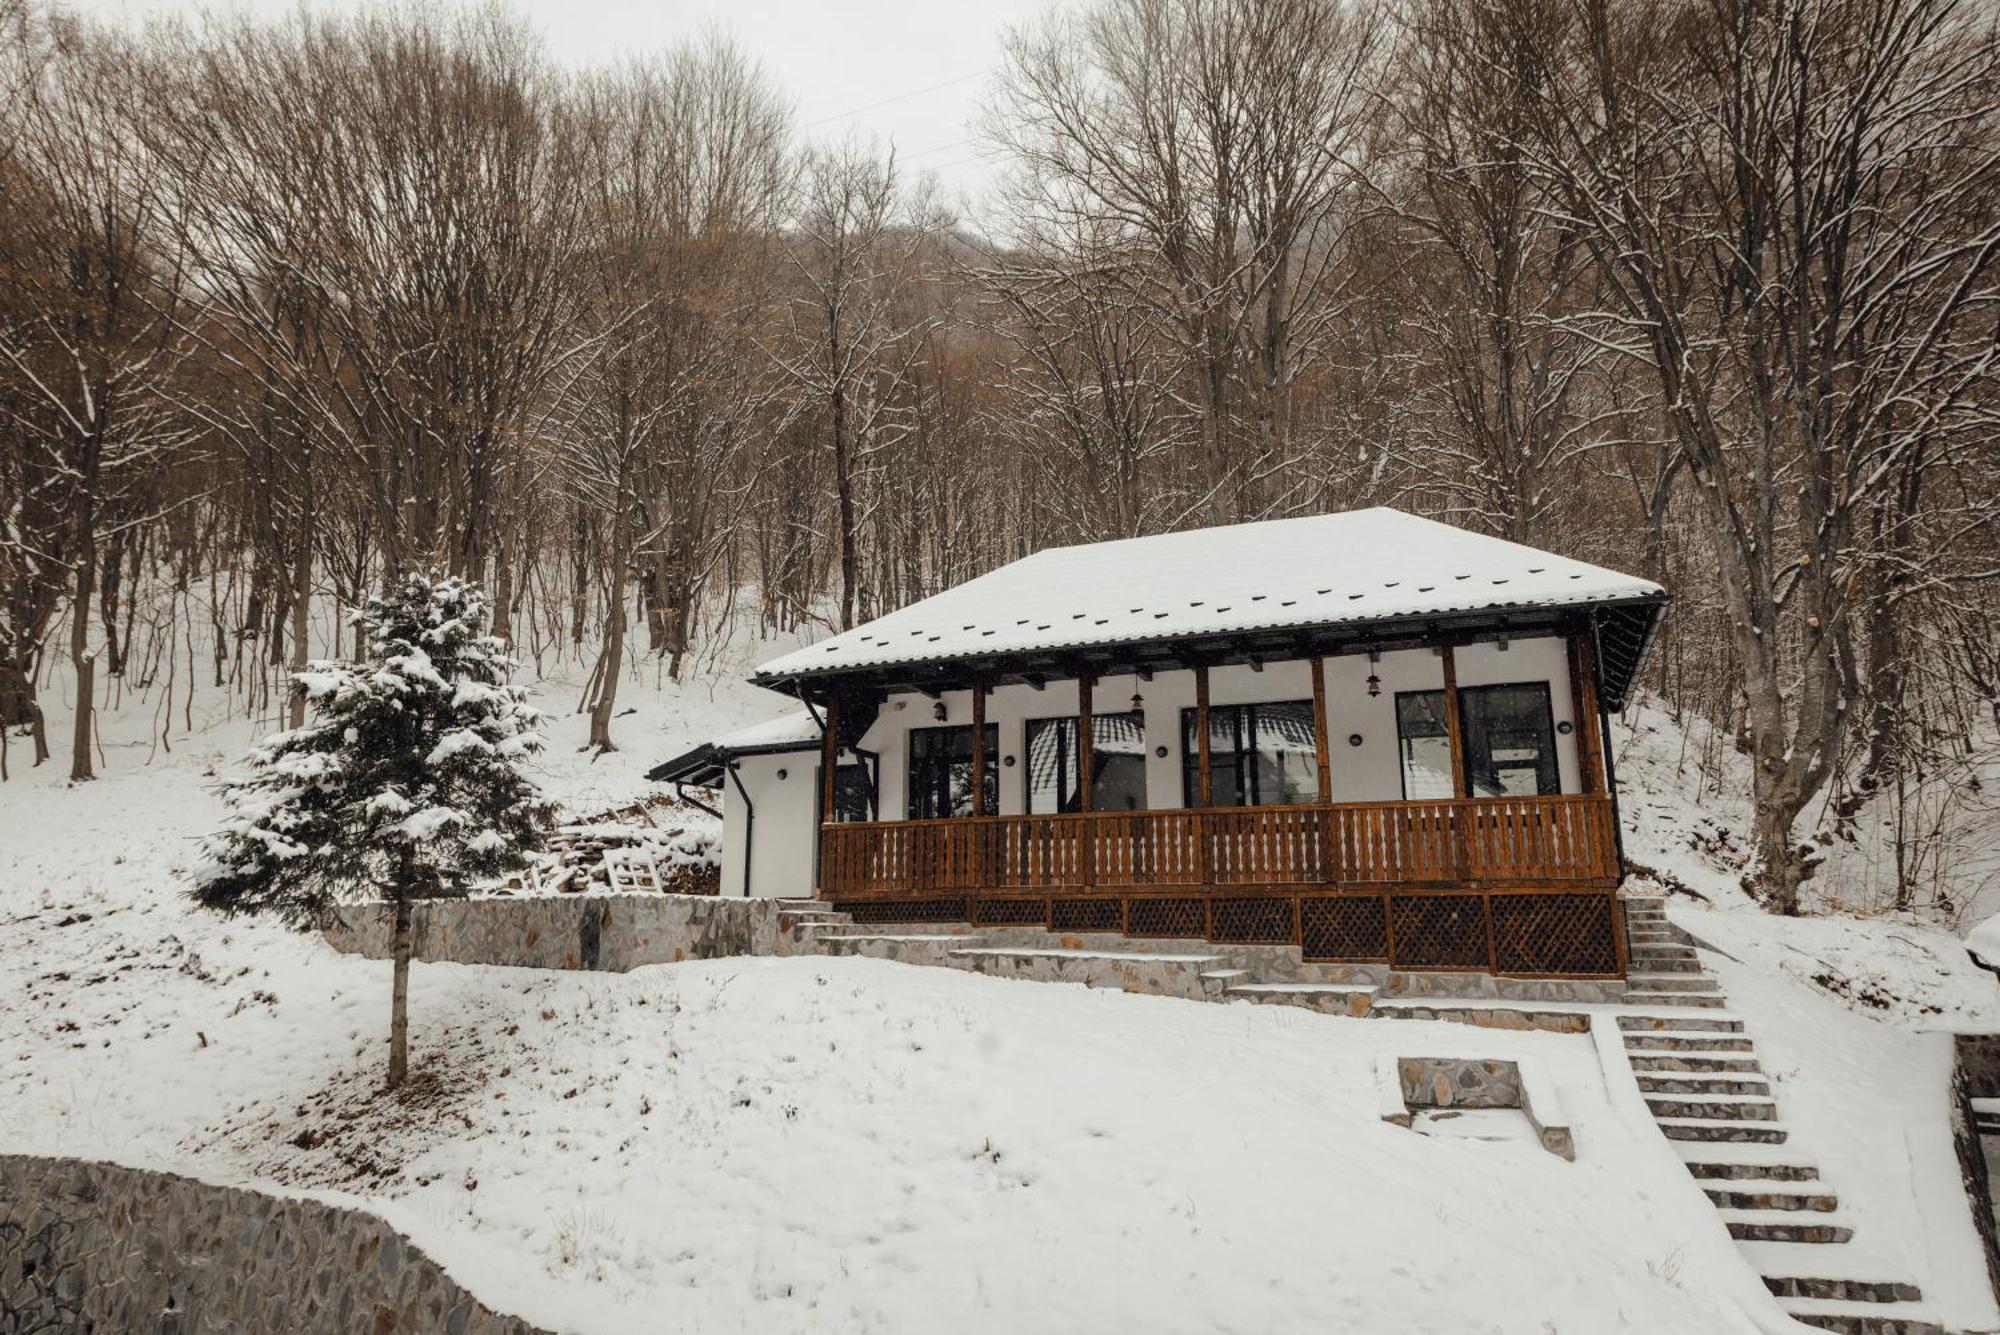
(1118, 763)
(1510, 742)
(853, 791)
(941, 772)
(1258, 755)
(1425, 744)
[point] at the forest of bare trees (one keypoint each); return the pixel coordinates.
(1708, 290)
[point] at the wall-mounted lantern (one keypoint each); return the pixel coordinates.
(937, 711)
(1374, 678)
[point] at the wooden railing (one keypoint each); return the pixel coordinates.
(1467, 842)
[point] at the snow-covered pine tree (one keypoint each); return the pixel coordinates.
(406, 786)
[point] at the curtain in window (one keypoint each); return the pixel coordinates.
(941, 772)
(1259, 755)
(1118, 764)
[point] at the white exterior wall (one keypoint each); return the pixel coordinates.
(782, 863)
(1370, 772)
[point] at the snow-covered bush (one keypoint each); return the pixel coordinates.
(406, 786)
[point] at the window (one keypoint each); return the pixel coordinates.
(1425, 744)
(1510, 742)
(853, 791)
(941, 771)
(1258, 755)
(1118, 763)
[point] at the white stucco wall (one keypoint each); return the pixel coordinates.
(782, 862)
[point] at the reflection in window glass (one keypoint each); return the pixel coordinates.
(1510, 740)
(1118, 764)
(941, 771)
(1425, 744)
(1259, 755)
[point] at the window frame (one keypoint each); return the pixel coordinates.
(1244, 728)
(1067, 734)
(910, 761)
(1463, 779)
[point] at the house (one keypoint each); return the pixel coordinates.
(1374, 736)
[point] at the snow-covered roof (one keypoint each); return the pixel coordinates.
(796, 727)
(1345, 569)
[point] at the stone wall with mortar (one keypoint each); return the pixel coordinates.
(609, 932)
(97, 1246)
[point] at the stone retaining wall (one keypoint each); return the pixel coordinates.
(608, 932)
(96, 1246)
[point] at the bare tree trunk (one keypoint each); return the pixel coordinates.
(80, 657)
(613, 660)
(399, 1001)
(302, 597)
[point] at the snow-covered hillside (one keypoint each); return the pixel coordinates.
(778, 1145)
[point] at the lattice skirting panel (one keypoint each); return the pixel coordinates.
(1531, 933)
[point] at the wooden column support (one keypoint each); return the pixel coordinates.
(979, 753)
(829, 770)
(1086, 764)
(1454, 725)
(1319, 729)
(1204, 784)
(1584, 711)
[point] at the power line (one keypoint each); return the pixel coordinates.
(902, 97)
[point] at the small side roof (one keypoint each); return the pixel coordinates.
(703, 766)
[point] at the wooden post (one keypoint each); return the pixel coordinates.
(1454, 727)
(1204, 785)
(829, 769)
(1326, 858)
(1086, 762)
(979, 752)
(1319, 728)
(1583, 709)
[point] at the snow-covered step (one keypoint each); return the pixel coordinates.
(1672, 1040)
(1680, 965)
(1723, 1107)
(1864, 1318)
(1746, 1160)
(1786, 1226)
(1765, 1193)
(1820, 1277)
(1331, 998)
(1699, 1000)
(1667, 1059)
(1715, 1129)
(1670, 982)
(1664, 1020)
(1179, 975)
(1704, 1082)
(903, 947)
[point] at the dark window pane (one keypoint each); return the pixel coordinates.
(853, 793)
(1425, 744)
(941, 771)
(1510, 740)
(1118, 752)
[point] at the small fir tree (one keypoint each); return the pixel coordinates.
(407, 786)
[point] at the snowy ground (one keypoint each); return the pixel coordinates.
(770, 1146)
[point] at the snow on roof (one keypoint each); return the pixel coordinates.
(1321, 570)
(795, 727)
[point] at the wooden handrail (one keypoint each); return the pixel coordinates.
(1458, 841)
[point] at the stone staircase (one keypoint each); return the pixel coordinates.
(1695, 1065)
(1700, 1077)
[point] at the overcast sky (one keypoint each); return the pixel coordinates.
(911, 71)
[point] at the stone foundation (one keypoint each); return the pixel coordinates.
(609, 932)
(95, 1246)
